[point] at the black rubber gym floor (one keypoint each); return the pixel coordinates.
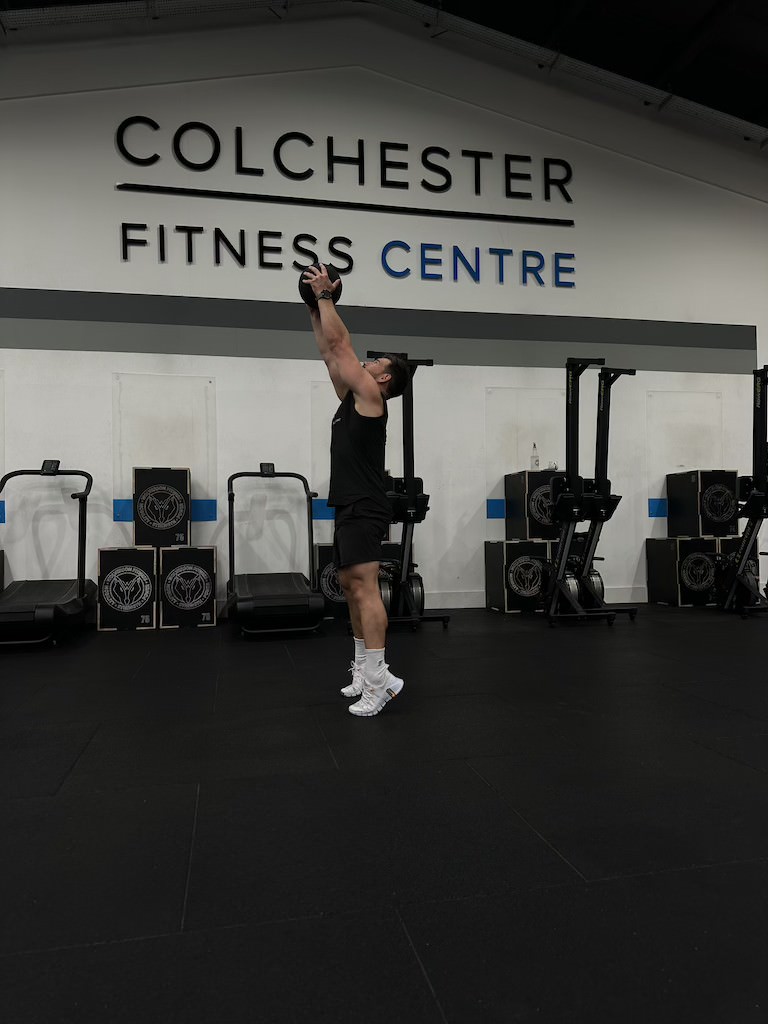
(552, 824)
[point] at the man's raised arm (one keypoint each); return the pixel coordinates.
(335, 345)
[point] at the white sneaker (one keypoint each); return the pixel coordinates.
(375, 697)
(355, 688)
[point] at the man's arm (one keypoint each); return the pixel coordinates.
(323, 347)
(335, 346)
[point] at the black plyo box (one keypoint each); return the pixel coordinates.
(514, 574)
(328, 578)
(187, 587)
(161, 506)
(681, 570)
(127, 588)
(528, 505)
(702, 503)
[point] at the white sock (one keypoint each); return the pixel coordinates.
(359, 652)
(375, 666)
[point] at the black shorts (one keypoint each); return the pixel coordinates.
(358, 533)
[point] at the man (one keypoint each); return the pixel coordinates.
(357, 491)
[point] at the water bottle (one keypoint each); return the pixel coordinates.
(534, 457)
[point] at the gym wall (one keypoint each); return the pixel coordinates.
(633, 240)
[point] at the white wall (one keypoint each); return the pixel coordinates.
(274, 411)
(667, 226)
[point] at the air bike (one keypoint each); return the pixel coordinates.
(45, 611)
(575, 589)
(403, 592)
(737, 576)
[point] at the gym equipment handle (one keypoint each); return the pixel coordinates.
(52, 472)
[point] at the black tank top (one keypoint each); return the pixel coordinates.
(358, 444)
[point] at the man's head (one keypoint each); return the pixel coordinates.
(391, 373)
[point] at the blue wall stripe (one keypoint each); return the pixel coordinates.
(204, 510)
(657, 508)
(2, 511)
(495, 508)
(122, 510)
(321, 510)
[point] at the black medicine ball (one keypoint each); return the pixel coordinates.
(305, 291)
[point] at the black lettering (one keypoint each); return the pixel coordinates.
(190, 232)
(386, 164)
(511, 176)
(240, 167)
(220, 240)
(300, 248)
(341, 260)
(559, 183)
(264, 248)
(443, 172)
(196, 126)
(142, 161)
(356, 161)
(126, 240)
(476, 156)
(278, 158)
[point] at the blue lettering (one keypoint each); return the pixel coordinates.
(429, 261)
(496, 260)
(501, 253)
(385, 253)
(459, 257)
(526, 269)
(559, 270)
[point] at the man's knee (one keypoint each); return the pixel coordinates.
(360, 581)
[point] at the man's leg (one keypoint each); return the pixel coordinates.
(366, 609)
(367, 612)
(357, 667)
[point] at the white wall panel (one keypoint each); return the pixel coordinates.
(516, 419)
(164, 420)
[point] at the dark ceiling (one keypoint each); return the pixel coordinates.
(710, 52)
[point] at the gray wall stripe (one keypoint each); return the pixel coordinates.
(96, 321)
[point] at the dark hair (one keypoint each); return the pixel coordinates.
(400, 375)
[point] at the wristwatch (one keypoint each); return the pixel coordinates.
(325, 294)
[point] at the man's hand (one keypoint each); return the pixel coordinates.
(318, 280)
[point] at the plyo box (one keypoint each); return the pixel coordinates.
(514, 574)
(702, 503)
(681, 570)
(187, 587)
(528, 505)
(161, 506)
(127, 588)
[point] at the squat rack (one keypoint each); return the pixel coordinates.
(409, 506)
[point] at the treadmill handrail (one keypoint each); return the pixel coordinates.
(82, 498)
(59, 472)
(296, 476)
(310, 532)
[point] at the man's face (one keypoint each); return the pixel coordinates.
(377, 366)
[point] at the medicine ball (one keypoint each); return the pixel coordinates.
(305, 291)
